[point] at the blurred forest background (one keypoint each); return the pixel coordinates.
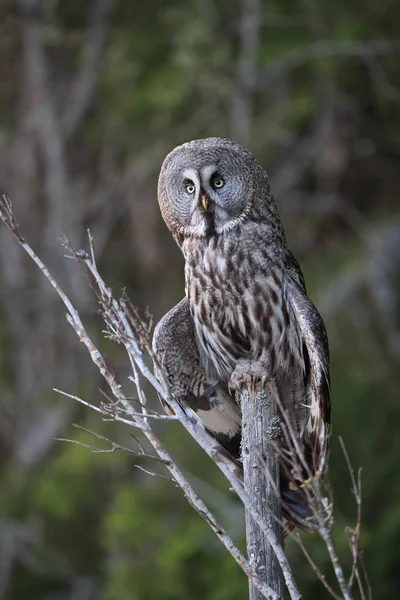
(93, 94)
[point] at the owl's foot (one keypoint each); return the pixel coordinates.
(249, 374)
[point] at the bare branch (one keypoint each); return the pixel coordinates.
(314, 567)
(45, 122)
(353, 534)
(87, 404)
(84, 85)
(127, 328)
(246, 79)
(116, 446)
(116, 389)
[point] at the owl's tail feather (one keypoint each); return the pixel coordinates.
(295, 508)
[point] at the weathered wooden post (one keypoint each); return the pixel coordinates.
(261, 429)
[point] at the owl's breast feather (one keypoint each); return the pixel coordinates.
(239, 307)
(214, 262)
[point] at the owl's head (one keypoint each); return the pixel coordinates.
(210, 186)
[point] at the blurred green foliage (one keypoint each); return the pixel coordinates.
(89, 525)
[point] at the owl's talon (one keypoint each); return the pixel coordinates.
(248, 374)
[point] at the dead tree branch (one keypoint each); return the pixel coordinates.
(125, 326)
(134, 351)
(84, 85)
(246, 78)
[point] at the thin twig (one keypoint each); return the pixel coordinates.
(354, 533)
(116, 446)
(92, 254)
(314, 567)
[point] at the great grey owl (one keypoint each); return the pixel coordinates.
(245, 309)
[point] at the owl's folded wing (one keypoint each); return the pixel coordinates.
(316, 435)
(175, 347)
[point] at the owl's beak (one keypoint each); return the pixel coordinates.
(205, 201)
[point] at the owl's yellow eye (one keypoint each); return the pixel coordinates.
(218, 183)
(190, 188)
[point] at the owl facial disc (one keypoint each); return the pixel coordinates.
(210, 187)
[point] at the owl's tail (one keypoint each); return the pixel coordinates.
(295, 508)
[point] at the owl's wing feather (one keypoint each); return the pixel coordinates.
(175, 346)
(316, 435)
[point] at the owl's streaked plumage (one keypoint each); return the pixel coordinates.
(245, 299)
